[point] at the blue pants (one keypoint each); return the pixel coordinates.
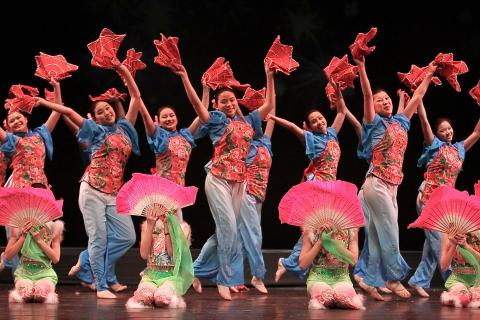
(432, 250)
(11, 264)
(291, 262)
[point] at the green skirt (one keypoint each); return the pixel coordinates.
(35, 272)
(328, 276)
(467, 279)
(157, 278)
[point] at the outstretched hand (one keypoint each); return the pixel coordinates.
(458, 239)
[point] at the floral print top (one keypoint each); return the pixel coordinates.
(324, 152)
(324, 258)
(259, 162)
(158, 253)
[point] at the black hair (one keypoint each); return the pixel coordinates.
(221, 90)
(438, 121)
(308, 113)
(167, 106)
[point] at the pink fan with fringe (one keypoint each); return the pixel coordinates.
(168, 53)
(109, 95)
(450, 211)
(104, 49)
(415, 76)
(220, 75)
(279, 58)
(313, 204)
(450, 69)
(253, 99)
(53, 67)
(20, 205)
(144, 191)
(359, 47)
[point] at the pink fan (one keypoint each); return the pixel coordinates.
(53, 67)
(312, 204)
(20, 205)
(477, 188)
(450, 211)
(253, 99)
(145, 191)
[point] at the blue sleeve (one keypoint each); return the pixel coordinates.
(429, 152)
(315, 144)
(159, 142)
(254, 120)
(131, 133)
(267, 143)
(187, 135)
(364, 150)
(10, 145)
(89, 132)
(403, 121)
(460, 146)
(47, 139)
(215, 127)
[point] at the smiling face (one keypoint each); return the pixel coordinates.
(17, 122)
(104, 114)
(444, 131)
(226, 102)
(168, 119)
(382, 104)
(317, 122)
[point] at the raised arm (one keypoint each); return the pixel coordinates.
(341, 108)
(449, 245)
(473, 137)
(205, 95)
(296, 130)
(69, 112)
(147, 119)
(419, 93)
(270, 124)
(194, 125)
(54, 116)
(3, 135)
(357, 127)
(309, 251)
(428, 135)
(368, 109)
(197, 104)
(269, 104)
(133, 91)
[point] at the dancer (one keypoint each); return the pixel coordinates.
(462, 253)
(443, 161)
(225, 183)
(169, 271)
(39, 247)
(384, 140)
(328, 254)
(323, 150)
(110, 144)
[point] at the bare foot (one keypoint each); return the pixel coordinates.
(398, 289)
(90, 286)
(105, 294)
(74, 270)
(280, 270)
(384, 290)
(197, 285)
(259, 285)
(421, 292)
(372, 291)
(224, 292)
(118, 287)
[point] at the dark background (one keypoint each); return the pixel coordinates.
(242, 32)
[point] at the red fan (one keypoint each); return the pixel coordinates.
(168, 53)
(341, 71)
(21, 98)
(53, 67)
(20, 205)
(279, 57)
(475, 93)
(49, 95)
(359, 47)
(450, 69)
(477, 188)
(415, 76)
(220, 75)
(104, 49)
(109, 95)
(253, 99)
(312, 204)
(450, 211)
(143, 192)
(133, 62)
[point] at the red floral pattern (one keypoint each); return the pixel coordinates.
(105, 172)
(443, 171)
(172, 164)
(458, 261)
(325, 259)
(230, 152)
(257, 174)
(28, 162)
(388, 154)
(324, 168)
(158, 251)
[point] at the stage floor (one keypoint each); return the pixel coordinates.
(77, 302)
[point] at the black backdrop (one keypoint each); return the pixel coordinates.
(242, 31)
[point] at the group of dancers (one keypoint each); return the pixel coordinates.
(235, 187)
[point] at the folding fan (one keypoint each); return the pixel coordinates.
(145, 192)
(313, 204)
(20, 205)
(450, 211)
(477, 188)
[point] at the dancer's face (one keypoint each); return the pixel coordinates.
(227, 103)
(17, 122)
(104, 113)
(382, 104)
(168, 119)
(445, 131)
(317, 122)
